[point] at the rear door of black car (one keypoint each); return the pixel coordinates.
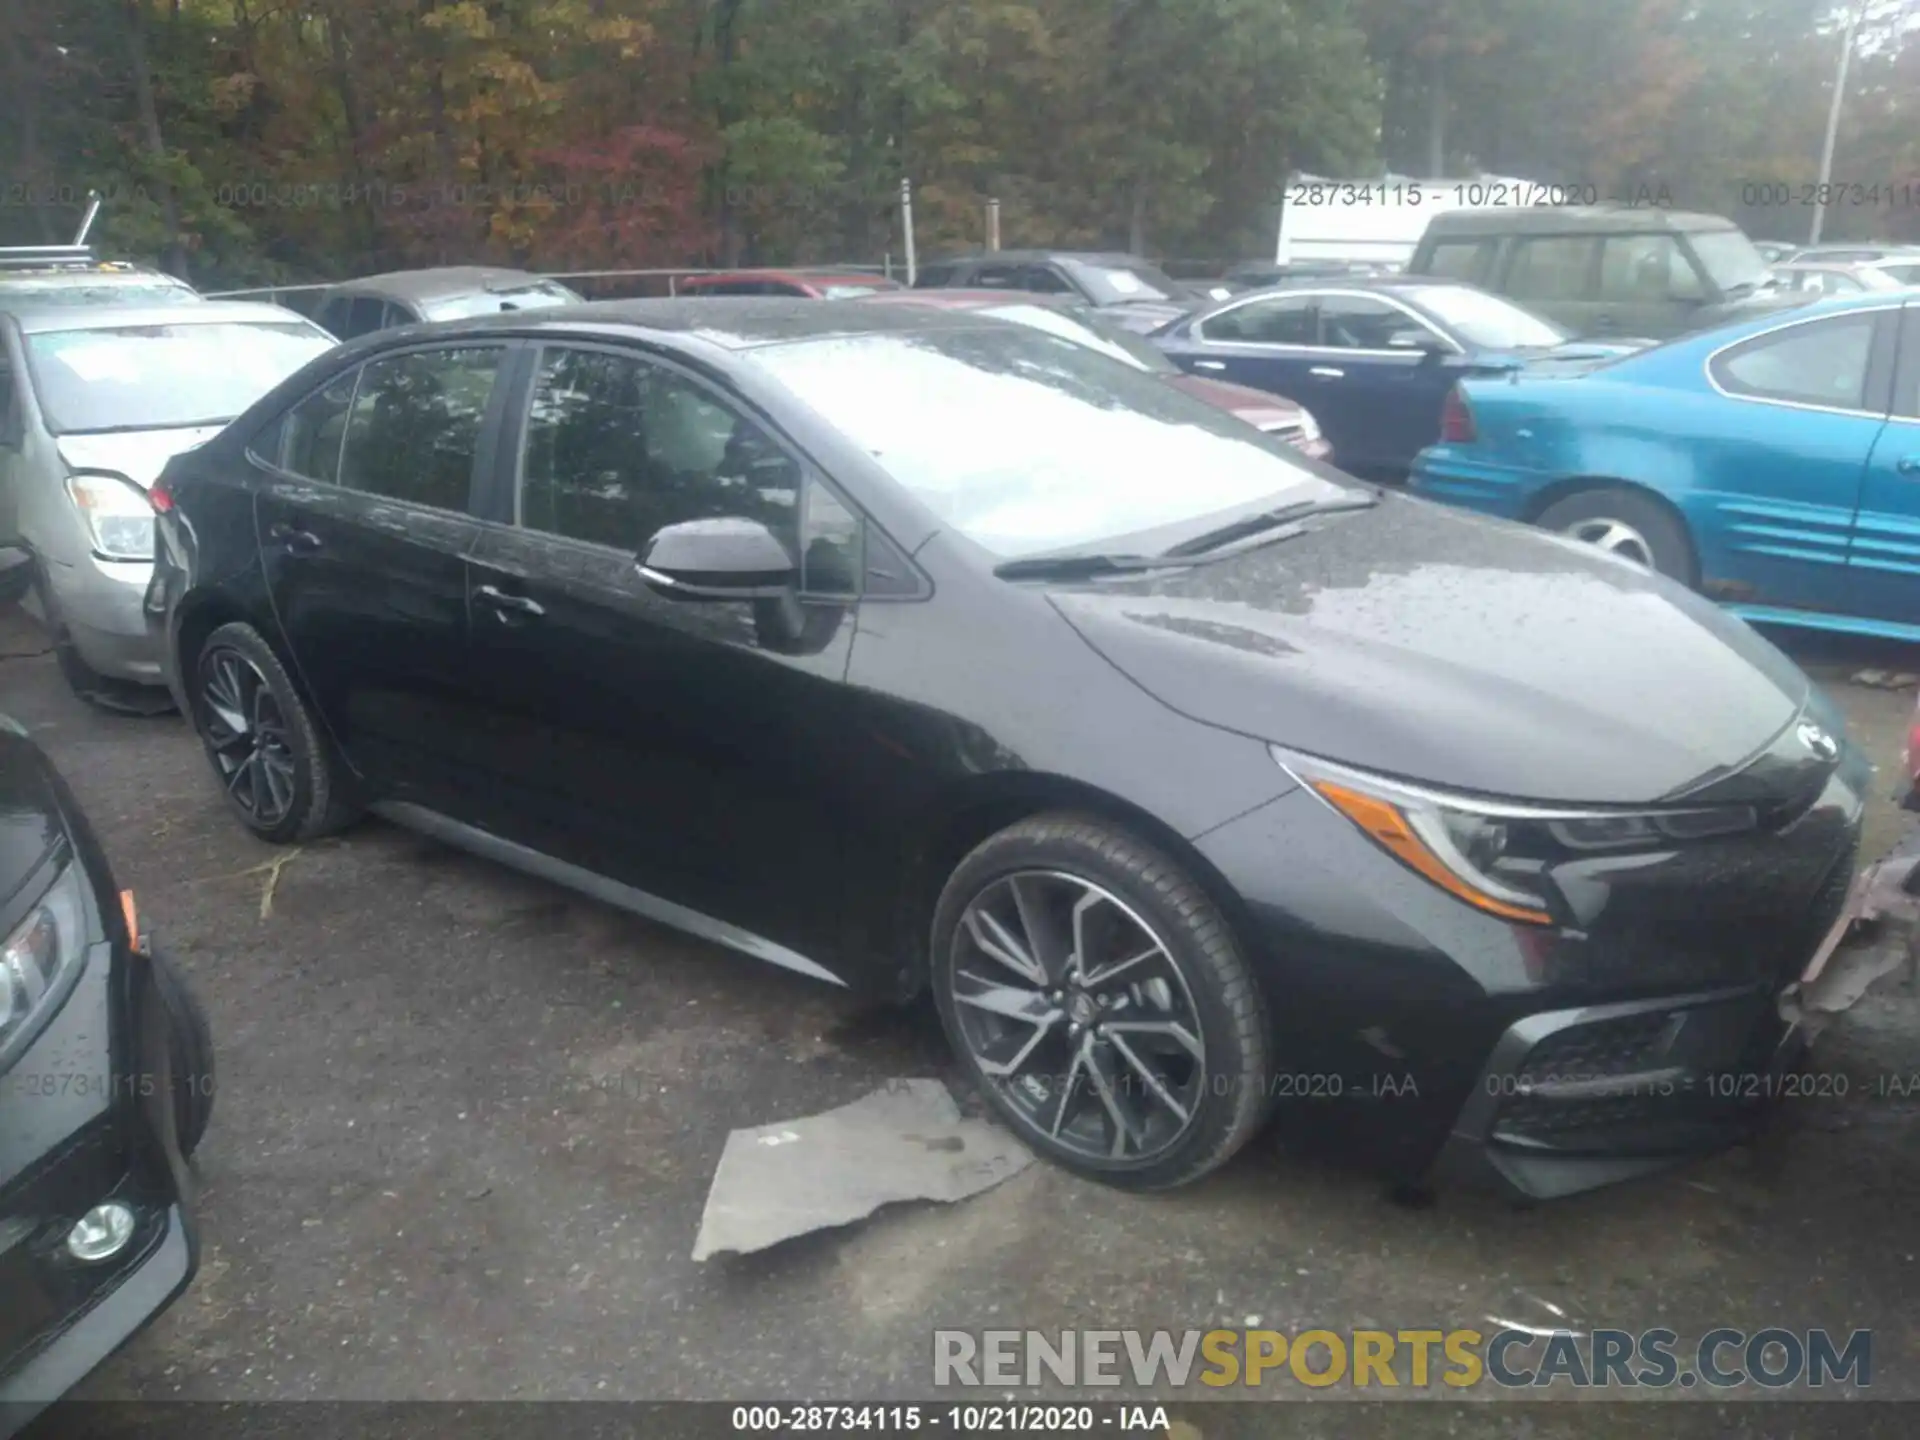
(683, 747)
(363, 519)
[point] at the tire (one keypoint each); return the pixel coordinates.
(193, 1065)
(292, 788)
(1189, 982)
(1643, 529)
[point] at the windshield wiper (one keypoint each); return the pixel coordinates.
(1251, 525)
(1077, 567)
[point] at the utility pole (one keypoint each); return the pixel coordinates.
(906, 224)
(1833, 119)
(993, 224)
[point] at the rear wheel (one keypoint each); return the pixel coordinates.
(277, 770)
(1101, 1002)
(1622, 522)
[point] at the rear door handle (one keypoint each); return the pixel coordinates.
(292, 540)
(500, 600)
(1909, 465)
(1328, 372)
(1208, 365)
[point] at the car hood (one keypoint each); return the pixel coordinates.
(140, 455)
(30, 824)
(1143, 317)
(1453, 649)
(1256, 407)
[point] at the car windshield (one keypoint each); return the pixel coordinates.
(1115, 282)
(1082, 450)
(1488, 320)
(535, 296)
(1905, 273)
(1087, 330)
(15, 295)
(1729, 258)
(156, 377)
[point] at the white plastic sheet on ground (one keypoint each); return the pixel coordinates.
(905, 1141)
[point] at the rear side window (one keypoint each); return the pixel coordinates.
(1822, 363)
(414, 428)
(1461, 259)
(1287, 320)
(1550, 267)
(307, 441)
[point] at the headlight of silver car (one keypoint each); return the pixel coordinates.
(43, 955)
(1495, 855)
(118, 514)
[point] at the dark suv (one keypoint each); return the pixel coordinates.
(1606, 270)
(106, 1086)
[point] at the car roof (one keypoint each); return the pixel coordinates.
(435, 283)
(969, 299)
(1090, 257)
(729, 322)
(844, 277)
(1572, 220)
(53, 318)
(109, 272)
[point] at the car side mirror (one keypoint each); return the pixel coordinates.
(726, 558)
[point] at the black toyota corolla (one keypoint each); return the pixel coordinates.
(916, 650)
(106, 1075)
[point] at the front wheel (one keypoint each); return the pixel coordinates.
(1101, 1001)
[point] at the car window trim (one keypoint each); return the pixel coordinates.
(1314, 297)
(1876, 384)
(1906, 367)
(515, 445)
(489, 418)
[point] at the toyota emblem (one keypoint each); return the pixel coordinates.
(1819, 741)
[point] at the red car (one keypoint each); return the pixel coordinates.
(1260, 409)
(807, 284)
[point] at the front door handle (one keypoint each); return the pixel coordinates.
(500, 600)
(1910, 465)
(293, 540)
(1328, 372)
(1208, 365)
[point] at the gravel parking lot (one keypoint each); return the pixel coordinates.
(467, 1121)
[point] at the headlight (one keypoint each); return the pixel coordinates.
(40, 958)
(1494, 855)
(118, 514)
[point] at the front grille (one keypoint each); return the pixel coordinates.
(1622, 1046)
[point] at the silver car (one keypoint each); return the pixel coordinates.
(93, 402)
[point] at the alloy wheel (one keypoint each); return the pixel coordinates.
(1615, 536)
(247, 735)
(1077, 1013)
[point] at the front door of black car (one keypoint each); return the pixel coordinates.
(685, 747)
(363, 519)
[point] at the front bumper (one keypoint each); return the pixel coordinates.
(102, 604)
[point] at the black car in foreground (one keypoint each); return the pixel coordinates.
(918, 650)
(106, 1086)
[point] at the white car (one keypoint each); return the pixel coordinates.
(94, 400)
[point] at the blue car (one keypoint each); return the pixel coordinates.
(1774, 464)
(1372, 358)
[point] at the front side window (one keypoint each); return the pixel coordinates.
(1729, 258)
(618, 448)
(1360, 322)
(1287, 320)
(1081, 450)
(415, 425)
(158, 377)
(1550, 267)
(1822, 363)
(1646, 268)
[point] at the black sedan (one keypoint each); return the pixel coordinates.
(1372, 358)
(917, 650)
(106, 1086)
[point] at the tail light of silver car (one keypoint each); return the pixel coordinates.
(117, 513)
(1456, 420)
(40, 961)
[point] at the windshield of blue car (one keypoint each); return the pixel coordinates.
(1487, 321)
(1114, 283)
(1084, 329)
(157, 377)
(1730, 259)
(535, 296)
(1025, 442)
